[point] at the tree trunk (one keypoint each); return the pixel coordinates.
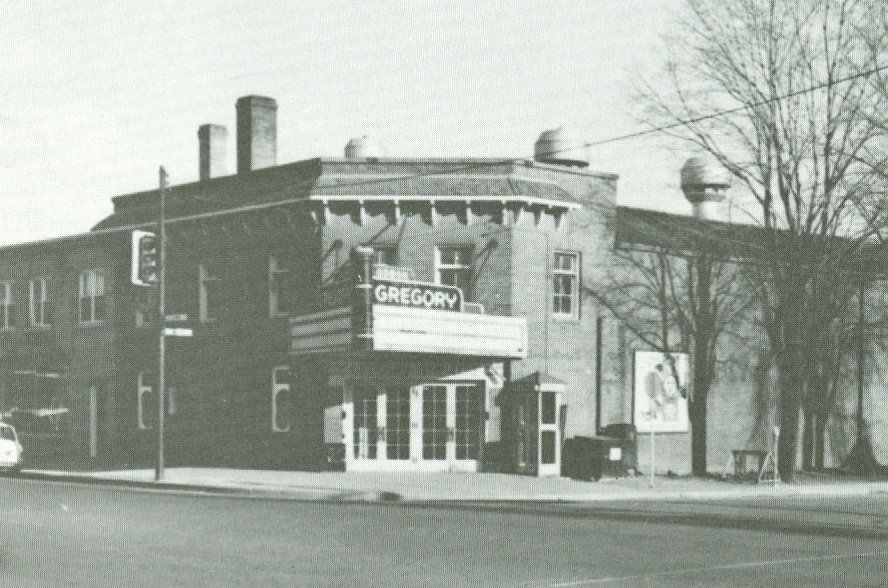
(697, 416)
(790, 389)
(820, 440)
(808, 439)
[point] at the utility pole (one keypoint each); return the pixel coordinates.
(161, 314)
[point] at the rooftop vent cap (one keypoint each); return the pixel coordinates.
(704, 179)
(363, 148)
(560, 147)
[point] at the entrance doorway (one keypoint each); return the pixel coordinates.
(432, 427)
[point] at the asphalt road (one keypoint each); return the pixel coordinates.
(56, 534)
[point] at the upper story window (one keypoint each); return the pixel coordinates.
(453, 267)
(566, 284)
(209, 303)
(7, 320)
(385, 255)
(281, 299)
(92, 296)
(39, 311)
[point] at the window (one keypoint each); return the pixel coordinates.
(209, 294)
(281, 299)
(565, 285)
(146, 412)
(385, 255)
(147, 407)
(38, 303)
(7, 321)
(453, 267)
(92, 296)
(281, 399)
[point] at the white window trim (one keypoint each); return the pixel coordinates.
(142, 389)
(8, 304)
(574, 313)
(38, 321)
(275, 272)
(204, 277)
(276, 388)
(439, 266)
(83, 287)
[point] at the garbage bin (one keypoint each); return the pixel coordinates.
(625, 432)
(585, 458)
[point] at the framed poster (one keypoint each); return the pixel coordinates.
(660, 387)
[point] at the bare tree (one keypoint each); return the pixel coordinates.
(676, 299)
(794, 77)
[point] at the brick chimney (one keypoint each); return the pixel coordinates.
(256, 133)
(212, 139)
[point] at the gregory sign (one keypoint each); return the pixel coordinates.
(417, 295)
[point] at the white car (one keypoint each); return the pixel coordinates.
(10, 449)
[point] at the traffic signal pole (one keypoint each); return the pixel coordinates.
(161, 314)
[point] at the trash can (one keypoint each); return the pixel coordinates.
(587, 458)
(625, 432)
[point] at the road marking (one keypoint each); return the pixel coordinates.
(736, 566)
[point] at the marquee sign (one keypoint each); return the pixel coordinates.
(417, 295)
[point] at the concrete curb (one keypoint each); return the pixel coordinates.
(294, 493)
(375, 495)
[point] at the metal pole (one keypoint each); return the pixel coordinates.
(653, 458)
(161, 310)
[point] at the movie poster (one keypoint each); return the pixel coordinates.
(661, 392)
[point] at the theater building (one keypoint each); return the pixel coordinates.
(373, 312)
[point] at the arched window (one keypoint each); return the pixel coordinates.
(281, 399)
(147, 407)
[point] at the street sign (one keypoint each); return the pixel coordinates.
(176, 318)
(177, 332)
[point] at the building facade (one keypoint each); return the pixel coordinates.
(365, 311)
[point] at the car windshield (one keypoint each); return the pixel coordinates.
(6, 433)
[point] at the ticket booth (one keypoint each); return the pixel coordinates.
(531, 407)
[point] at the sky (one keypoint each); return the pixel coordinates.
(96, 95)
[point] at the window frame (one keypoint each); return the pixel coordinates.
(279, 386)
(466, 267)
(42, 321)
(8, 316)
(83, 287)
(143, 388)
(276, 283)
(204, 278)
(573, 295)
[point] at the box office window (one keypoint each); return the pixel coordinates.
(92, 296)
(7, 320)
(565, 284)
(38, 302)
(282, 405)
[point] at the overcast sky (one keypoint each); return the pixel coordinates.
(97, 94)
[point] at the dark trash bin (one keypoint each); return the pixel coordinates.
(627, 434)
(587, 458)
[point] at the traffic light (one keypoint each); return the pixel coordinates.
(145, 258)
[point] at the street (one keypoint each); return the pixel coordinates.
(61, 534)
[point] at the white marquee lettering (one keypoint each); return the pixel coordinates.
(419, 296)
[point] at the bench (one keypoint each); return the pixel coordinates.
(743, 458)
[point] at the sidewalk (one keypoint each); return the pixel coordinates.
(446, 487)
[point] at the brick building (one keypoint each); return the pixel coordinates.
(392, 313)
